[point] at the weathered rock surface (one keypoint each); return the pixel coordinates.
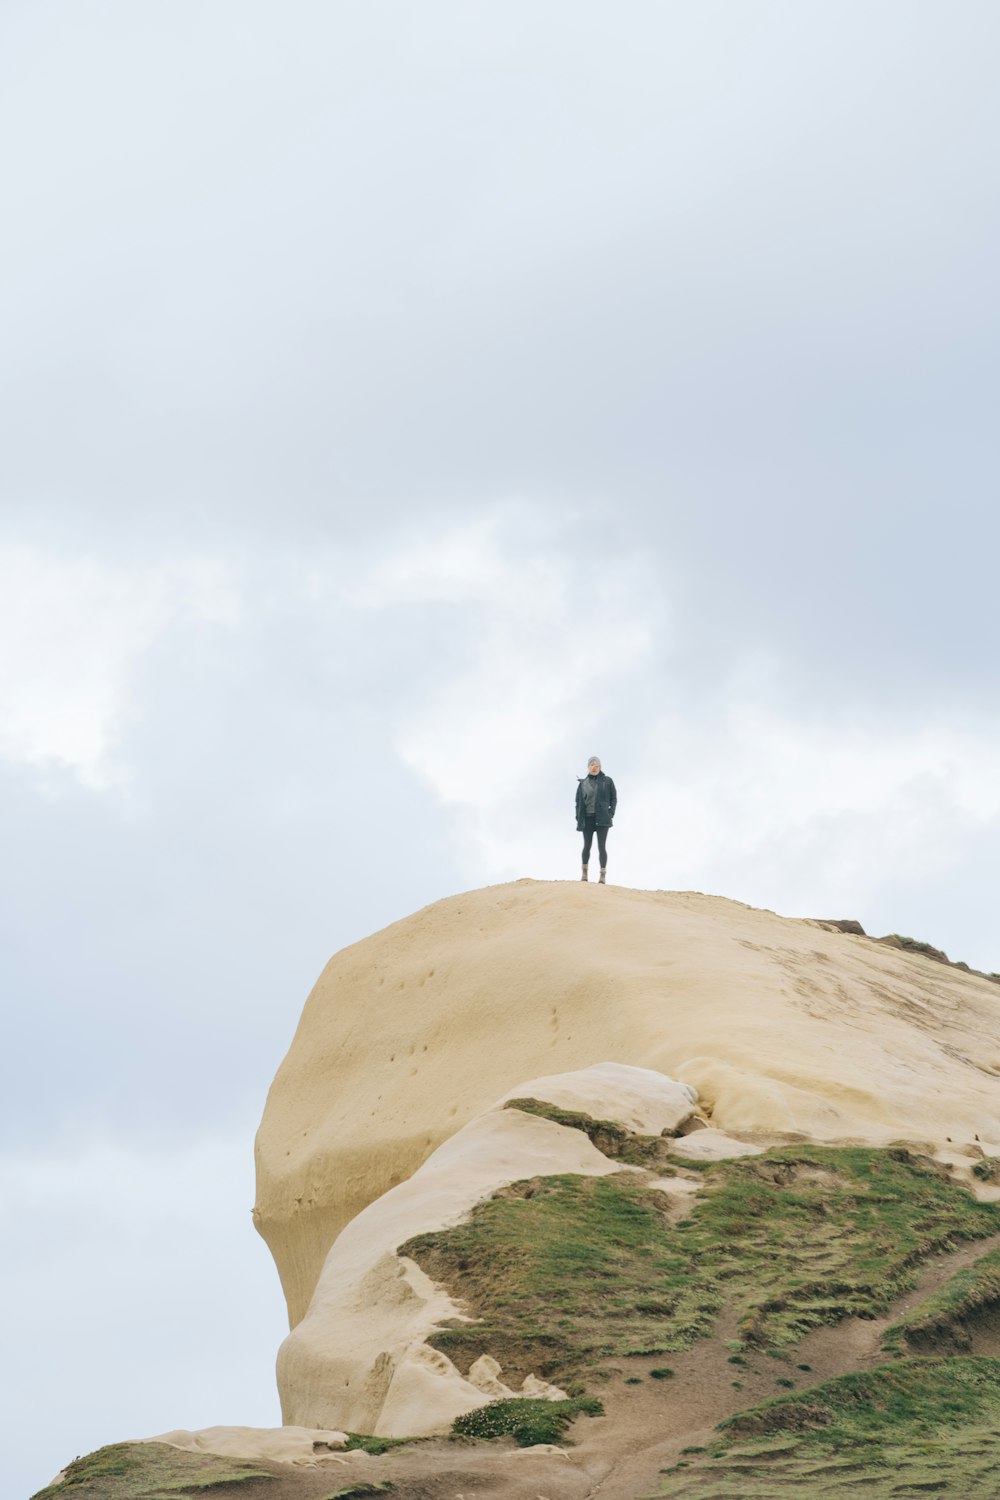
(781, 1025)
(834, 1195)
(713, 1145)
(359, 1359)
(911, 945)
(306, 1447)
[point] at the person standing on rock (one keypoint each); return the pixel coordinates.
(596, 800)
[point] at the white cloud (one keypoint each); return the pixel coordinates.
(72, 633)
(453, 567)
(805, 816)
(546, 641)
(725, 792)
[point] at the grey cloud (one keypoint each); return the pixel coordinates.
(727, 274)
(165, 1313)
(171, 944)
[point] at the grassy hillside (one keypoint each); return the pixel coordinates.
(595, 1282)
(571, 1277)
(910, 1428)
(133, 1471)
(565, 1273)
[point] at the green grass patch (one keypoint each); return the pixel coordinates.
(943, 1322)
(115, 1463)
(910, 1427)
(364, 1442)
(564, 1273)
(356, 1491)
(526, 1420)
(134, 1471)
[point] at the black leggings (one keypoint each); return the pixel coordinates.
(602, 842)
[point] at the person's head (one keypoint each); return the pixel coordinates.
(594, 765)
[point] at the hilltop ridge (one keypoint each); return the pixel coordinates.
(780, 1024)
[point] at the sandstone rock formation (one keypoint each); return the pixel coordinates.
(763, 1160)
(305, 1447)
(781, 1025)
(359, 1358)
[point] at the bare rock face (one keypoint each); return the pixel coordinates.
(304, 1447)
(780, 1025)
(360, 1359)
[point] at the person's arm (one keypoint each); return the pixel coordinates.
(579, 799)
(614, 797)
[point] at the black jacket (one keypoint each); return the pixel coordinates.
(607, 801)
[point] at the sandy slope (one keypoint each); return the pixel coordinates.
(780, 1024)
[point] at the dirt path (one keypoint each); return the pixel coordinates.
(647, 1426)
(648, 1421)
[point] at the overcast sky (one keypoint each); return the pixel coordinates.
(399, 403)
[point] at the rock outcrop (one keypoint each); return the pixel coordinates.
(360, 1357)
(763, 1159)
(781, 1025)
(306, 1448)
